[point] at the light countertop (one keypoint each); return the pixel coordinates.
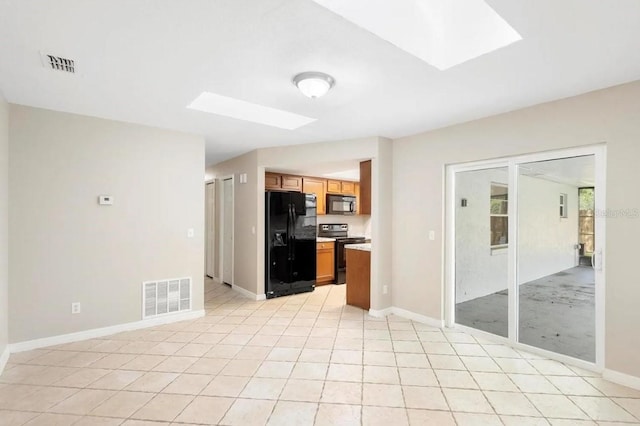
(363, 247)
(325, 240)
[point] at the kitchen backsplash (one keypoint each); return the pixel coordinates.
(358, 225)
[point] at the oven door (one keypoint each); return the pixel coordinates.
(341, 204)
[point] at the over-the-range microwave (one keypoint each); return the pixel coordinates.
(341, 204)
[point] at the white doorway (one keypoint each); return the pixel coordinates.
(512, 244)
(226, 230)
(210, 203)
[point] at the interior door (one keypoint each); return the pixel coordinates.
(227, 232)
(210, 229)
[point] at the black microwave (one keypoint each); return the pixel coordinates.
(341, 204)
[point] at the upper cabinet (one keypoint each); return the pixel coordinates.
(365, 188)
(318, 187)
(277, 181)
(341, 187)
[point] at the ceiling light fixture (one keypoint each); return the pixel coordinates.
(313, 84)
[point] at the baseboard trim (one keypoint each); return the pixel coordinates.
(101, 332)
(423, 319)
(381, 313)
(621, 378)
(4, 357)
(247, 293)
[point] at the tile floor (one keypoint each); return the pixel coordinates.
(301, 360)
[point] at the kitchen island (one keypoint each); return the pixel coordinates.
(359, 275)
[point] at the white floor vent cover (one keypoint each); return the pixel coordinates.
(166, 297)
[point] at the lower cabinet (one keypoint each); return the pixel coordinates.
(325, 263)
(359, 278)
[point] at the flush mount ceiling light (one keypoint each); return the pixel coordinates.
(313, 84)
(443, 33)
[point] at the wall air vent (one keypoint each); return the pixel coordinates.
(166, 297)
(59, 63)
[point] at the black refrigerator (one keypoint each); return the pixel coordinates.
(290, 252)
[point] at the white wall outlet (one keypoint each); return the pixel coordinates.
(75, 308)
(191, 233)
(105, 200)
(432, 235)
(385, 289)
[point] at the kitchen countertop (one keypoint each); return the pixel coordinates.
(363, 247)
(325, 240)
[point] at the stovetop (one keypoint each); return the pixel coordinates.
(339, 231)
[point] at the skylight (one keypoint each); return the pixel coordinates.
(443, 33)
(247, 111)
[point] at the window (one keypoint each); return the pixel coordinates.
(499, 215)
(563, 205)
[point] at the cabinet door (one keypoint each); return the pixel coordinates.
(348, 188)
(272, 181)
(334, 187)
(325, 263)
(357, 191)
(292, 183)
(318, 187)
(365, 187)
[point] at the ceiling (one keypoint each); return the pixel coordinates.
(144, 61)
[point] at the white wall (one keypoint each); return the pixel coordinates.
(4, 226)
(66, 248)
(546, 242)
(609, 115)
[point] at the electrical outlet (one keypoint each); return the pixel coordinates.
(75, 308)
(385, 289)
(190, 233)
(432, 235)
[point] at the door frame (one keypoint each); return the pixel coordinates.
(210, 227)
(222, 228)
(599, 152)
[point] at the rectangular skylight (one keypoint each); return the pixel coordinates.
(443, 33)
(247, 111)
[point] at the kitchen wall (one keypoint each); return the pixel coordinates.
(609, 115)
(249, 204)
(4, 230)
(66, 248)
(358, 225)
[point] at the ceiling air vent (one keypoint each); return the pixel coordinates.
(59, 63)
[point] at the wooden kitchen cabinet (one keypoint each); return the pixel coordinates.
(365, 188)
(357, 192)
(334, 187)
(277, 181)
(325, 263)
(318, 187)
(359, 278)
(348, 188)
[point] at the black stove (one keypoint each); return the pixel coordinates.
(339, 231)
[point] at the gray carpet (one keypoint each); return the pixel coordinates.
(557, 313)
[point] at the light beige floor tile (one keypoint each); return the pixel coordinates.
(138, 347)
(83, 359)
(384, 416)
(248, 412)
(12, 418)
(230, 386)
(223, 351)
(175, 364)
(20, 374)
(438, 348)
(494, 382)
(382, 395)
(338, 414)
(346, 357)
(116, 380)
(418, 377)
(315, 355)
(446, 362)
(430, 418)
(511, 403)
(515, 366)
(529, 383)
(407, 346)
(207, 366)
(51, 419)
(431, 336)
(481, 364)
(123, 404)
(253, 352)
(194, 349)
(205, 410)
(631, 405)
(165, 348)
(556, 406)
(602, 409)
(152, 382)
(263, 388)
(475, 419)
(573, 422)
(424, 398)
(469, 401)
(99, 421)
(347, 343)
(302, 390)
(241, 367)
(144, 362)
(275, 369)
(381, 374)
(188, 384)
(163, 407)
(284, 354)
(82, 402)
(342, 392)
(524, 421)
(574, 385)
(113, 361)
(345, 373)
(551, 368)
(43, 399)
(455, 379)
(412, 360)
(379, 358)
(613, 390)
(500, 351)
(291, 413)
(378, 345)
(294, 341)
(310, 371)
